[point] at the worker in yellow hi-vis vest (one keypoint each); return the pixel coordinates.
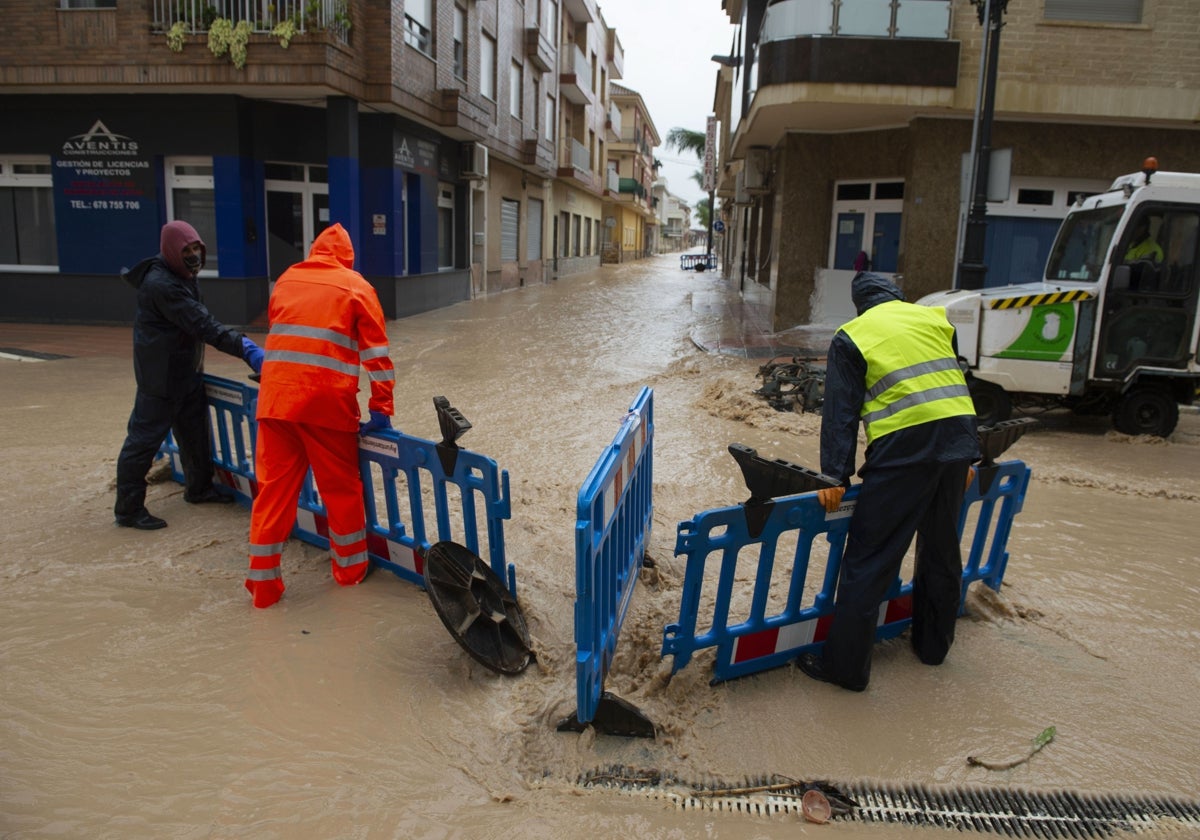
(894, 370)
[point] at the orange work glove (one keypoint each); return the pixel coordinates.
(970, 478)
(831, 497)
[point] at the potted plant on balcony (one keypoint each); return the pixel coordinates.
(225, 36)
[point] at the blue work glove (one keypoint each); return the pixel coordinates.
(252, 354)
(378, 421)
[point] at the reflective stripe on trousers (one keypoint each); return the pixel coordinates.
(284, 451)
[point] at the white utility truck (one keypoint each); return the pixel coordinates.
(1111, 328)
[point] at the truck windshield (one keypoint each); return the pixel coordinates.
(1082, 244)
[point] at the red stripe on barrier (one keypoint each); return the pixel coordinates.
(378, 546)
(823, 625)
(898, 609)
(755, 645)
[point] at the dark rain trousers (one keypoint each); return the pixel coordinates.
(894, 504)
(184, 414)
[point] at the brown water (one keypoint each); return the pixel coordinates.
(143, 697)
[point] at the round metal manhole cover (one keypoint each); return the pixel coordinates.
(476, 607)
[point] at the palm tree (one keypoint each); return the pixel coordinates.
(702, 208)
(682, 139)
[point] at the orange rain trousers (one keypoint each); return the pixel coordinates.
(283, 453)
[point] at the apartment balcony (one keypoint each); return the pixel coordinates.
(155, 46)
(263, 16)
(612, 182)
(616, 56)
(632, 186)
(871, 42)
(613, 123)
(575, 164)
(843, 65)
(538, 49)
(637, 140)
(581, 11)
(575, 76)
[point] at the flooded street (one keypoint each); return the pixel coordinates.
(143, 696)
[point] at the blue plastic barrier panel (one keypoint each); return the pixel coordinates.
(402, 476)
(770, 636)
(614, 514)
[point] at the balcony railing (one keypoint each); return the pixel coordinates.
(580, 157)
(614, 119)
(575, 63)
(636, 139)
(856, 19)
(632, 186)
(262, 15)
(613, 182)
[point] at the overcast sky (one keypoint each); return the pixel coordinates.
(669, 45)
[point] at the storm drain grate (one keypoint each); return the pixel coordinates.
(1016, 813)
(1003, 811)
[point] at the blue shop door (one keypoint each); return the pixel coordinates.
(885, 243)
(849, 239)
(1015, 249)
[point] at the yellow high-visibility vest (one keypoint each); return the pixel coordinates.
(912, 375)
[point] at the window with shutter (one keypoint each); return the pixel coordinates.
(1099, 11)
(510, 215)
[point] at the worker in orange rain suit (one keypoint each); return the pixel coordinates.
(325, 322)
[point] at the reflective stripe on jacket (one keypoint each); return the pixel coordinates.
(326, 325)
(912, 375)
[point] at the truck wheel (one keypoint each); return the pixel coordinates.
(1146, 411)
(992, 403)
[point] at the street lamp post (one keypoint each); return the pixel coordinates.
(971, 267)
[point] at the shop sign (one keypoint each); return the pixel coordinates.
(104, 199)
(417, 155)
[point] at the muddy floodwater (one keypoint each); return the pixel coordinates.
(143, 697)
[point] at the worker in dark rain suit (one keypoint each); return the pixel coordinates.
(326, 327)
(894, 368)
(170, 329)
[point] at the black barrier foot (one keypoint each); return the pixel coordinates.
(614, 716)
(453, 426)
(994, 441)
(476, 608)
(771, 479)
(767, 480)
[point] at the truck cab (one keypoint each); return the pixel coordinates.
(1111, 328)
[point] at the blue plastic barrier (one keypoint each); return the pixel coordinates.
(429, 473)
(613, 519)
(759, 641)
(690, 262)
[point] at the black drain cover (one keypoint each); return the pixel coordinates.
(477, 608)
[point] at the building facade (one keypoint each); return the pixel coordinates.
(674, 219)
(435, 131)
(631, 164)
(845, 128)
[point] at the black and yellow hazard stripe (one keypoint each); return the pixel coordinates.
(1040, 299)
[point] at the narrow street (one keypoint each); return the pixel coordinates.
(145, 698)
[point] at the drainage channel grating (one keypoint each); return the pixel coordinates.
(1002, 811)
(1016, 813)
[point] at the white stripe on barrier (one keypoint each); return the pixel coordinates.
(306, 520)
(217, 392)
(402, 556)
(625, 469)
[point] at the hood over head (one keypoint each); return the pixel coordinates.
(868, 289)
(333, 242)
(176, 236)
